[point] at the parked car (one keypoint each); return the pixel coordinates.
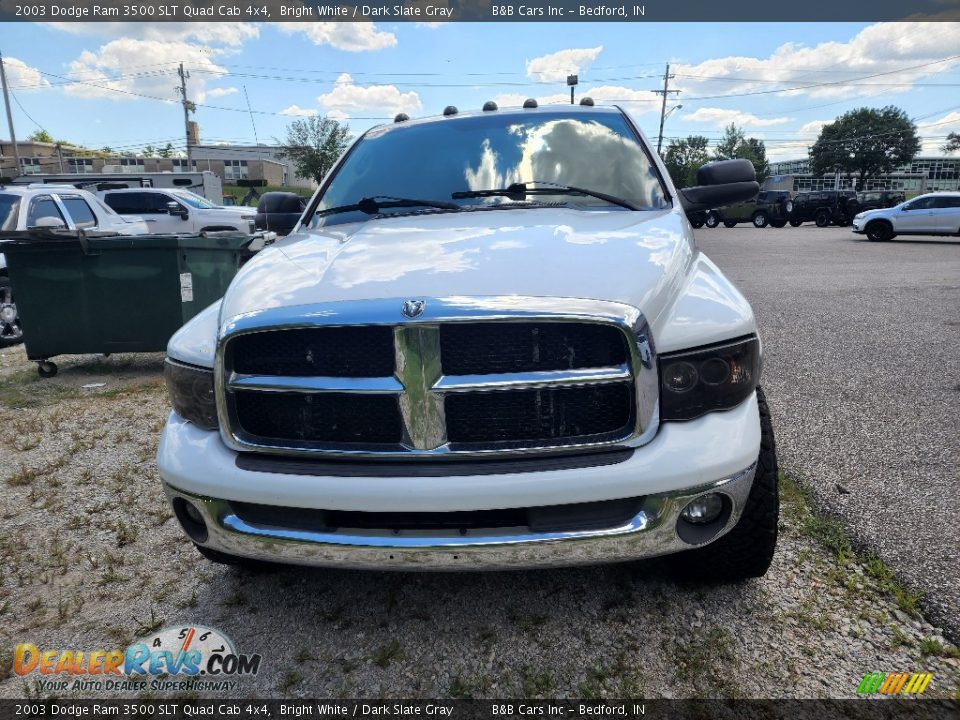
(932, 214)
(179, 211)
(769, 207)
(825, 207)
(50, 207)
(279, 211)
(444, 370)
(876, 199)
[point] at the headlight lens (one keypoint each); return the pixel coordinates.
(191, 392)
(718, 377)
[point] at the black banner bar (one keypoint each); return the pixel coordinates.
(249, 709)
(478, 10)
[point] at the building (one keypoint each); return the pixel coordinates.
(249, 162)
(922, 175)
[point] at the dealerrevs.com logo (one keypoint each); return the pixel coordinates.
(190, 657)
(900, 683)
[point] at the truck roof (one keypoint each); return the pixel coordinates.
(518, 112)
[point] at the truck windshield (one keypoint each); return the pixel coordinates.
(194, 200)
(453, 159)
(9, 207)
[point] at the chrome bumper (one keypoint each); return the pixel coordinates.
(651, 532)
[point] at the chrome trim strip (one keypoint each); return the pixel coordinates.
(651, 532)
(422, 443)
(280, 383)
(532, 380)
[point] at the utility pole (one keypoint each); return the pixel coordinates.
(60, 156)
(13, 136)
(187, 107)
(667, 77)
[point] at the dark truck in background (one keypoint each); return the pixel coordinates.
(825, 208)
(769, 207)
(279, 211)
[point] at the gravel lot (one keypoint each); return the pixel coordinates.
(91, 558)
(863, 378)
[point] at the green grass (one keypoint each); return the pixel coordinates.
(387, 654)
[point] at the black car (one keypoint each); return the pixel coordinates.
(279, 211)
(769, 207)
(825, 207)
(879, 199)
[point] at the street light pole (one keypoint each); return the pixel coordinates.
(13, 136)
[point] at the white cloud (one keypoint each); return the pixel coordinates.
(297, 111)
(22, 77)
(338, 115)
(636, 102)
(116, 70)
(221, 92)
(814, 127)
(721, 117)
(879, 48)
(349, 36)
(348, 97)
(214, 33)
(556, 66)
(937, 129)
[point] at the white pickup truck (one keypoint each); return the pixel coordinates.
(491, 342)
(179, 211)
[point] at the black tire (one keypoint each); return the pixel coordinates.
(747, 550)
(729, 223)
(879, 231)
(235, 561)
(778, 223)
(822, 218)
(697, 225)
(10, 331)
(712, 220)
(46, 369)
(760, 219)
(796, 223)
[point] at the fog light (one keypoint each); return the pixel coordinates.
(191, 520)
(704, 509)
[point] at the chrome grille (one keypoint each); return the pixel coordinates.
(454, 381)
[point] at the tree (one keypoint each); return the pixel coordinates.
(684, 157)
(865, 142)
(41, 136)
(952, 144)
(166, 152)
(149, 150)
(314, 144)
(735, 144)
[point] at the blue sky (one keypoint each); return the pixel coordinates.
(112, 84)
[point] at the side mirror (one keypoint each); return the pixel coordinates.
(720, 183)
(175, 208)
(49, 223)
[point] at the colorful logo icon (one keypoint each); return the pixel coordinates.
(902, 683)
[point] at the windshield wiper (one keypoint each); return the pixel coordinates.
(521, 190)
(375, 203)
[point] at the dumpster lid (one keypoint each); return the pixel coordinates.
(46, 239)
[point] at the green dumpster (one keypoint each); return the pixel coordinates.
(83, 294)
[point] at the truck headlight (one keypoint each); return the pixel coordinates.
(191, 392)
(717, 377)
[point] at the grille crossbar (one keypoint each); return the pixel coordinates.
(552, 395)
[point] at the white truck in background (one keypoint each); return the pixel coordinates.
(205, 183)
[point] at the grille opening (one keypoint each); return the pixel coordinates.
(538, 415)
(319, 417)
(323, 351)
(553, 518)
(508, 347)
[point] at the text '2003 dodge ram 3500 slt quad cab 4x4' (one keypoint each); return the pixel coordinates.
(491, 342)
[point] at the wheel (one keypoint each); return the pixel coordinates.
(796, 223)
(745, 551)
(234, 560)
(729, 223)
(46, 369)
(713, 219)
(10, 331)
(760, 219)
(778, 223)
(697, 225)
(822, 218)
(879, 231)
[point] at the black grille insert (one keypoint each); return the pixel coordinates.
(510, 347)
(325, 351)
(320, 417)
(533, 415)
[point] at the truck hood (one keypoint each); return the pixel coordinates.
(637, 258)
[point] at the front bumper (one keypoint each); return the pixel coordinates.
(715, 453)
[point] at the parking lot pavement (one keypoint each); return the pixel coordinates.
(862, 372)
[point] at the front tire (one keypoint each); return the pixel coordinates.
(697, 224)
(778, 223)
(713, 219)
(10, 331)
(760, 219)
(747, 550)
(729, 223)
(796, 223)
(822, 219)
(879, 231)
